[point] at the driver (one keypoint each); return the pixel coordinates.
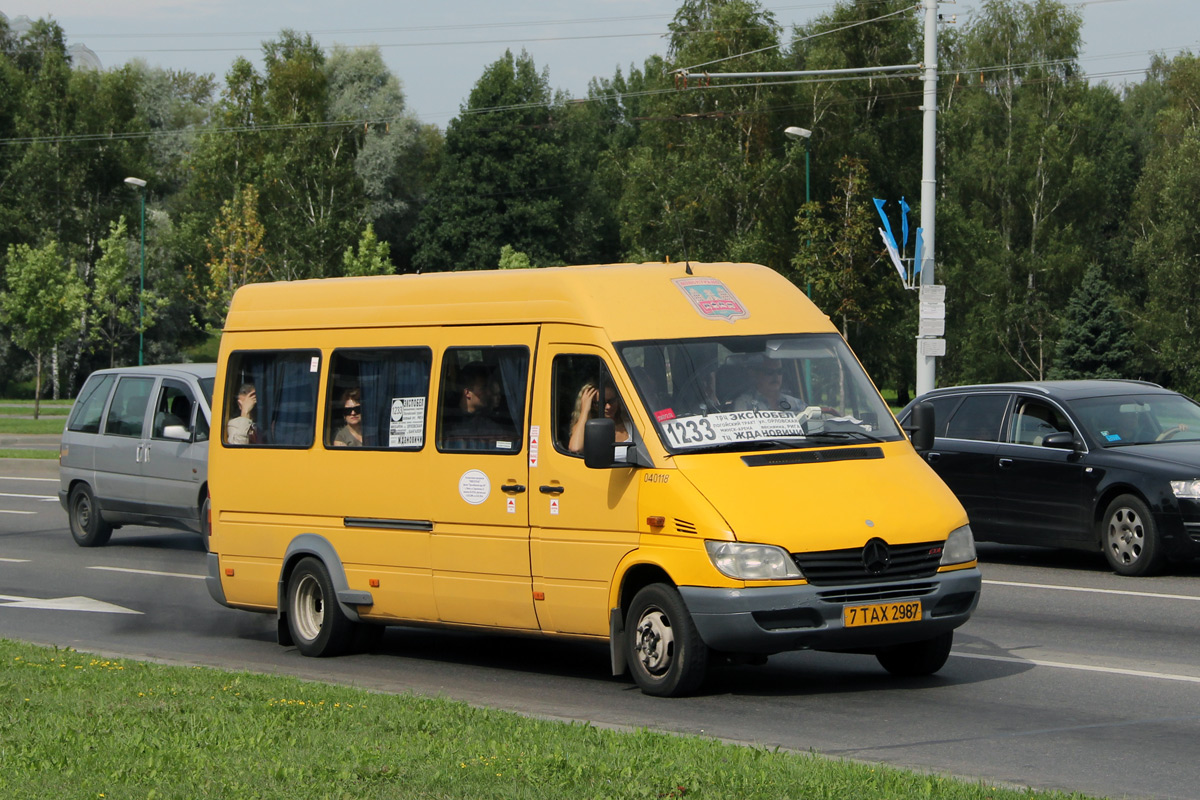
(768, 394)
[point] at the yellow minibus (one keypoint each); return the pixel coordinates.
(684, 460)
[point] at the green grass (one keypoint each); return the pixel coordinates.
(6, 452)
(18, 425)
(76, 725)
(25, 401)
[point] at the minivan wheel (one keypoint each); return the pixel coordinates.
(1130, 537)
(88, 529)
(917, 658)
(666, 654)
(206, 523)
(318, 626)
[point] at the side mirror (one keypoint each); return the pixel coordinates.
(1063, 440)
(599, 439)
(921, 427)
(178, 432)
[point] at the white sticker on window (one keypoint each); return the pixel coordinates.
(315, 365)
(406, 427)
(732, 426)
(474, 487)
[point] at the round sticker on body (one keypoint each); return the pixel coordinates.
(474, 486)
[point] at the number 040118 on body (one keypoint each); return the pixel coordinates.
(881, 613)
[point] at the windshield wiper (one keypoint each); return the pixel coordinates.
(839, 436)
(748, 444)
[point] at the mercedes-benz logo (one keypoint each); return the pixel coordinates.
(875, 557)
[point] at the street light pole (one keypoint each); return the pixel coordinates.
(140, 185)
(803, 134)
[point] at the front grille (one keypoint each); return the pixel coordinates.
(875, 594)
(835, 567)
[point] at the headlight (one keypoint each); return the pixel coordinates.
(752, 562)
(960, 547)
(1189, 490)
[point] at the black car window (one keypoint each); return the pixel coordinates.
(1035, 420)
(978, 417)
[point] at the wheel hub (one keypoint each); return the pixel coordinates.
(655, 641)
(1126, 535)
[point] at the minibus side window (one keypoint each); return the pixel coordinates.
(90, 405)
(377, 398)
(271, 398)
(583, 389)
(482, 399)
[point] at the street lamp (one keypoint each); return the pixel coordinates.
(803, 134)
(140, 185)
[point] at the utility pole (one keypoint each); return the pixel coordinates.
(926, 366)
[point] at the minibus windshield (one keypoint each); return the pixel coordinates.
(757, 392)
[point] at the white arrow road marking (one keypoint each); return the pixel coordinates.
(63, 604)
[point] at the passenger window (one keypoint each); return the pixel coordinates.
(127, 412)
(172, 409)
(377, 398)
(85, 417)
(583, 390)
(482, 399)
(978, 417)
(1035, 421)
(271, 398)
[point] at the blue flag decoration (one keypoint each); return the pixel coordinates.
(920, 247)
(904, 222)
(887, 226)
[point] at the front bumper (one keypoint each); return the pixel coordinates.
(765, 620)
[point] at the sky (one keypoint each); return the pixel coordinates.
(439, 48)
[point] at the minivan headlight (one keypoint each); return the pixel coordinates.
(752, 562)
(959, 547)
(1187, 490)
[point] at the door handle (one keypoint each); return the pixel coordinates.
(146, 454)
(1005, 463)
(551, 489)
(512, 488)
(138, 455)
(933, 458)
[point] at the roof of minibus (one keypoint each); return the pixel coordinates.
(629, 301)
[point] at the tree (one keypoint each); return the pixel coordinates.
(372, 258)
(236, 255)
(513, 259)
(1095, 341)
(44, 299)
(114, 296)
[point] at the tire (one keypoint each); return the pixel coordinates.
(1130, 537)
(917, 658)
(88, 528)
(317, 624)
(665, 652)
(206, 523)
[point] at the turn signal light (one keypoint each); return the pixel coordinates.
(656, 522)
(229, 572)
(374, 582)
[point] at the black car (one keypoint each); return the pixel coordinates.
(1094, 465)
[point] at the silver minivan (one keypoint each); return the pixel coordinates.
(135, 451)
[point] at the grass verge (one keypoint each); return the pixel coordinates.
(76, 725)
(20, 425)
(7, 452)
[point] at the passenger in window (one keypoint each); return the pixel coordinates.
(768, 394)
(350, 408)
(242, 428)
(471, 426)
(587, 406)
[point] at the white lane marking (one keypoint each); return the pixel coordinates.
(15, 478)
(15, 560)
(63, 604)
(150, 572)
(1123, 592)
(1137, 673)
(43, 497)
(10, 511)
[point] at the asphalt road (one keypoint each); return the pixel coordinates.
(1067, 677)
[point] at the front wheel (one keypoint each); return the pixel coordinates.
(1130, 537)
(317, 624)
(88, 529)
(666, 654)
(917, 658)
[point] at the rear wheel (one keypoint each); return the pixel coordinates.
(316, 621)
(206, 523)
(917, 658)
(1130, 538)
(88, 529)
(666, 654)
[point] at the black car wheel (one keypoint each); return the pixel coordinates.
(917, 658)
(88, 529)
(1130, 538)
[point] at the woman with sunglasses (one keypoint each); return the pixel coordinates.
(587, 406)
(350, 434)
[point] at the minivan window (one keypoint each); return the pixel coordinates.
(85, 418)
(127, 412)
(978, 417)
(377, 398)
(751, 392)
(284, 386)
(174, 406)
(482, 401)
